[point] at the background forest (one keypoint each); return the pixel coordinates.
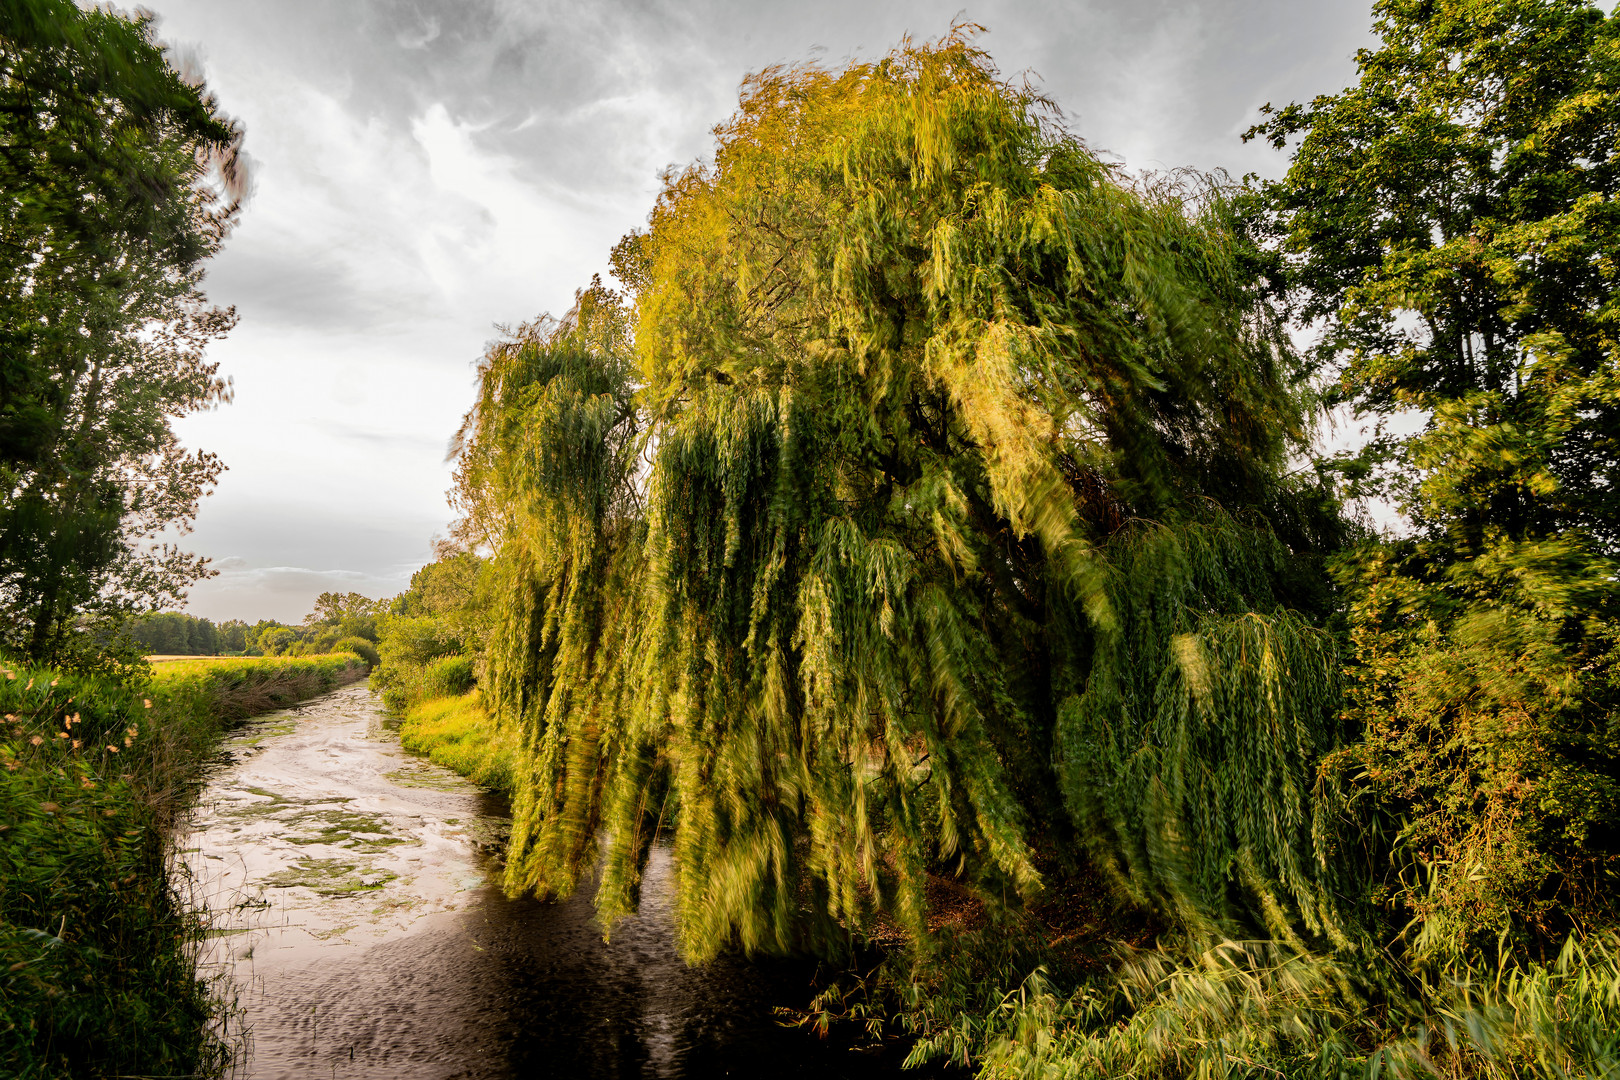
(339, 622)
(931, 542)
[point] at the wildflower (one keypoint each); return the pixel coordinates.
(113, 748)
(55, 681)
(77, 743)
(13, 765)
(30, 685)
(49, 807)
(35, 741)
(61, 734)
(147, 702)
(11, 717)
(86, 782)
(10, 674)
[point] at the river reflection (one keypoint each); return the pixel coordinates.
(356, 920)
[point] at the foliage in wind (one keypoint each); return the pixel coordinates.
(119, 179)
(893, 523)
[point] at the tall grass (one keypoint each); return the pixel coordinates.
(458, 733)
(1258, 1009)
(235, 687)
(97, 949)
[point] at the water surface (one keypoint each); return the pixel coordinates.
(357, 921)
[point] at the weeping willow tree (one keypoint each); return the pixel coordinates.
(907, 515)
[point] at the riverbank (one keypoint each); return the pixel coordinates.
(97, 947)
(459, 733)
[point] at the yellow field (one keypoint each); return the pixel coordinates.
(172, 667)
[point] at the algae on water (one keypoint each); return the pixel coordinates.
(329, 877)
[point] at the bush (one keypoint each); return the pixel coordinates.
(449, 676)
(362, 648)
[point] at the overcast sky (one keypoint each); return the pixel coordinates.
(428, 169)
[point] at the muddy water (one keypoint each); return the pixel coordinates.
(359, 927)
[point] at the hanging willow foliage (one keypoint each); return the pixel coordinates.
(1190, 753)
(903, 363)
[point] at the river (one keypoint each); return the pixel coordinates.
(360, 929)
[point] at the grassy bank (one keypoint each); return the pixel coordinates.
(235, 687)
(459, 734)
(97, 974)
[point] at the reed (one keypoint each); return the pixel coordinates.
(236, 687)
(1007, 1006)
(97, 942)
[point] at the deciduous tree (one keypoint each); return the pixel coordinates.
(1452, 225)
(910, 515)
(118, 178)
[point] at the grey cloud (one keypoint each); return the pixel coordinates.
(284, 593)
(559, 115)
(317, 292)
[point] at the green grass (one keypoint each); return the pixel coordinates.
(97, 948)
(236, 687)
(1257, 1010)
(459, 734)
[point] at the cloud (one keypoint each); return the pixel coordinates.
(427, 171)
(283, 593)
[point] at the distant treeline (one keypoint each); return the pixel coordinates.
(174, 634)
(339, 622)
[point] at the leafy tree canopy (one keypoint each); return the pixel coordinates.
(886, 527)
(1451, 224)
(118, 178)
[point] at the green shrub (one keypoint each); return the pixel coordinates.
(362, 648)
(449, 676)
(399, 684)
